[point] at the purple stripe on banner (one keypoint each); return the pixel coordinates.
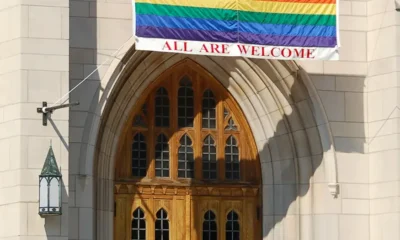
(230, 37)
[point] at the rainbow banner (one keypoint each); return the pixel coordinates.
(274, 29)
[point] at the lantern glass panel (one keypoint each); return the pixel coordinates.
(54, 193)
(43, 193)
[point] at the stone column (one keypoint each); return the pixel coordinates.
(34, 53)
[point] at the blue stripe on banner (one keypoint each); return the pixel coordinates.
(231, 26)
(288, 30)
(186, 23)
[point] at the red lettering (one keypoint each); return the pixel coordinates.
(185, 47)
(225, 48)
(272, 52)
(287, 54)
(214, 48)
(299, 52)
(243, 49)
(309, 53)
(166, 45)
(254, 51)
(263, 53)
(204, 48)
(176, 46)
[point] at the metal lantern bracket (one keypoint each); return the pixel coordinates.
(44, 110)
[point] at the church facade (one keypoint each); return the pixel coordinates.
(174, 146)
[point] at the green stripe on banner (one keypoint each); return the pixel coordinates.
(231, 15)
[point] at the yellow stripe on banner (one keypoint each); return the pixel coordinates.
(253, 6)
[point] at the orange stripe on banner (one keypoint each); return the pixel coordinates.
(300, 1)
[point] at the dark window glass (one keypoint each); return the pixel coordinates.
(209, 159)
(209, 226)
(139, 156)
(162, 156)
(162, 108)
(232, 164)
(138, 225)
(232, 228)
(162, 225)
(139, 120)
(231, 125)
(209, 112)
(185, 103)
(185, 158)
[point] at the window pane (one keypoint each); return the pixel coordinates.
(139, 156)
(232, 227)
(161, 108)
(209, 159)
(185, 103)
(209, 226)
(185, 158)
(162, 225)
(138, 225)
(209, 108)
(232, 162)
(162, 156)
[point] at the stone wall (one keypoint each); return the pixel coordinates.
(34, 40)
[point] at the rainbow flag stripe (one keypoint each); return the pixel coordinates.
(291, 23)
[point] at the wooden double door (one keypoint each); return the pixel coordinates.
(165, 213)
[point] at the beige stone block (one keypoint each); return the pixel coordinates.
(257, 130)
(41, 226)
(84, 195)
(83, 32)
(312, 67)
(285, 198)
(353, 167)
(351, 84)
(8, 4)
(248, 109)
(10, 48)
(382, 66)
(44, 62)
(1, 115)
(375, 106)
(35, 128)
(44, 84)
(356, 109)
(355, 206)
(86, 216)
(79, 9)
(83, 56)
(95, 72)
(267, 98)
(44, 46)
(19, 150)
(384, 166)
(353, 227)
(54, 3)
(121, 30)
(354, 191)
(334, 104)
(5, 155)
(278, 124)
(390, 102)
(380, 43)
(323, 201)
(383, 81)
(345, 68)
(326, 227)
(354, 43)
(358, 8)
(376, 6)
(9, 65)
(385, 205)
(322, 82)
(284, 172)
(111, 10)
(383, 128)
(73, 223)
(263, 151)
(353, 23)
(10, 195)
(65, 23)
(382, 143)
(45, 22)
(384, 226)
(384, 189)
(14, 217)
(13, 87)
(348, 129)
(345, 8)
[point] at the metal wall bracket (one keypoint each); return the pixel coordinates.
(45, 111)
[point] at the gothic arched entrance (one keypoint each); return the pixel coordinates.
(187, 166)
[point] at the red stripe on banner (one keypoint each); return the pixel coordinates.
(300, 1)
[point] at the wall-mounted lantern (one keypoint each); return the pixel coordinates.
(50, 187)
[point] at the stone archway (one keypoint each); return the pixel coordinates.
(280, 104)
